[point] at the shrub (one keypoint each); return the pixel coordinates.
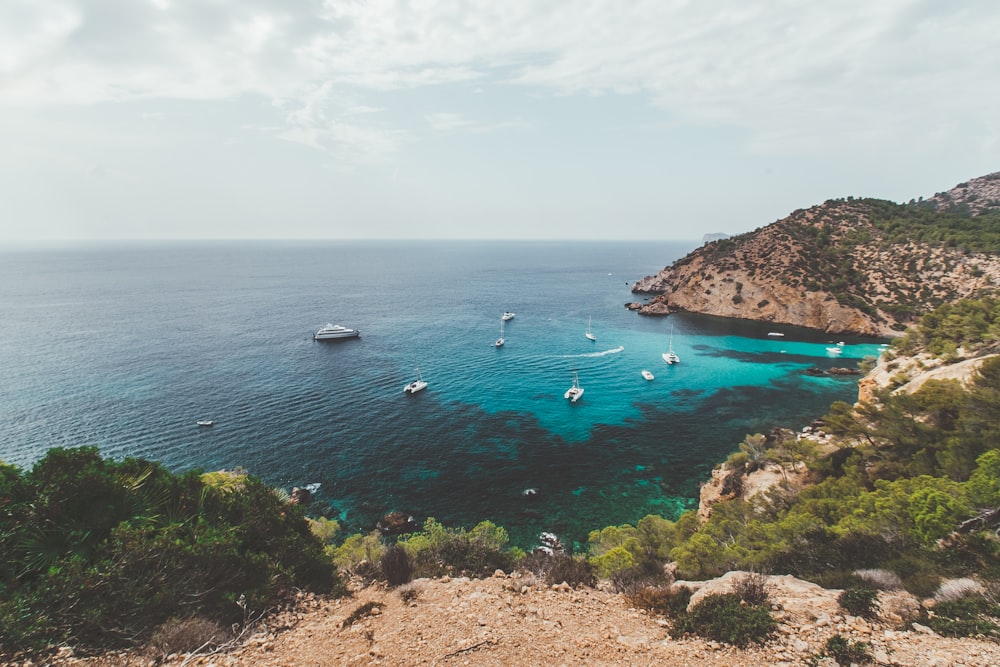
(752, 588)
(574, 571)
(861, 602)
(107, 552)
(846, 652)
(409, 592)
(636, 578)
(725, 618)
(186, 636)
(396, 565)
(966, 617)
(670, 602)
(478, 552)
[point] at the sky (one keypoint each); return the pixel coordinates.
(452, 119)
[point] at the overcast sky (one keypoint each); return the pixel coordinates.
(599, 119)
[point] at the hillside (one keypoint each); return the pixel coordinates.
(862, 266)
(510, 620)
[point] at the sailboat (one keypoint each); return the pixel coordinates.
(588, 334)
(500, 340)
(576, 391)
(416, 385)
(669, 356)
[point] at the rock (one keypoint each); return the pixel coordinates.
(300, 496)
(395, 523)
(923, 629)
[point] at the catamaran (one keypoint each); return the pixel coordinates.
(416, 385)
(576, 391)
(669, 356)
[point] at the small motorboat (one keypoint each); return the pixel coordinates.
(647, 374)
(776, 334)
(205, 422)
(507, 315)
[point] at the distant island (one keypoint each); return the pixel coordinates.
(862, 266)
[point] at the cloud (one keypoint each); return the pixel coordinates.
(795, 76)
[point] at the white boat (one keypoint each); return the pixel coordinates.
(500, 340)
(669, 356)
(833, 350)
(648, 375)
(576, 391)
(777, 334)
(205, 422)
(588, 334)
(416, 385)
(507, 315)
(332, 331)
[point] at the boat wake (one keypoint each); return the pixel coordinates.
(620, 348)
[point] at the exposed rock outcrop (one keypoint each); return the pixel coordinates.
(841, 267)
(908, 374)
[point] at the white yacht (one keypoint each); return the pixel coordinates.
(589, 334)
(647, 374)
(416, 385)
(576, 391)
(331, 331)
(507, 315)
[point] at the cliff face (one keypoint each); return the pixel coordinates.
(846, 266)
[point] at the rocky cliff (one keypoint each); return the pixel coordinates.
(862, 266)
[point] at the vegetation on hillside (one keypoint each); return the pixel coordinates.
(872, 255)
(99, 553)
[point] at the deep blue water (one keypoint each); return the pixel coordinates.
(126, 346)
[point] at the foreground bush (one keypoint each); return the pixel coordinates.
(559, 568)
(861, 602)
(846, 652)
(438, 550)
(99, 553)
(665, 601)
(966, 617)
(396, 566)
(726, 618)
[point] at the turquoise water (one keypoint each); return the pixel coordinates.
(127, 346)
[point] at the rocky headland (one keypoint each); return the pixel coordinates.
(857, 266)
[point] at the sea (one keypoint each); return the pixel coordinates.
(126, 346)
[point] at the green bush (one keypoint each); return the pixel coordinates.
(861, 602)
(437, 550)
(846, 652)
(101, 553)
(966, 617)
(725, 618)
